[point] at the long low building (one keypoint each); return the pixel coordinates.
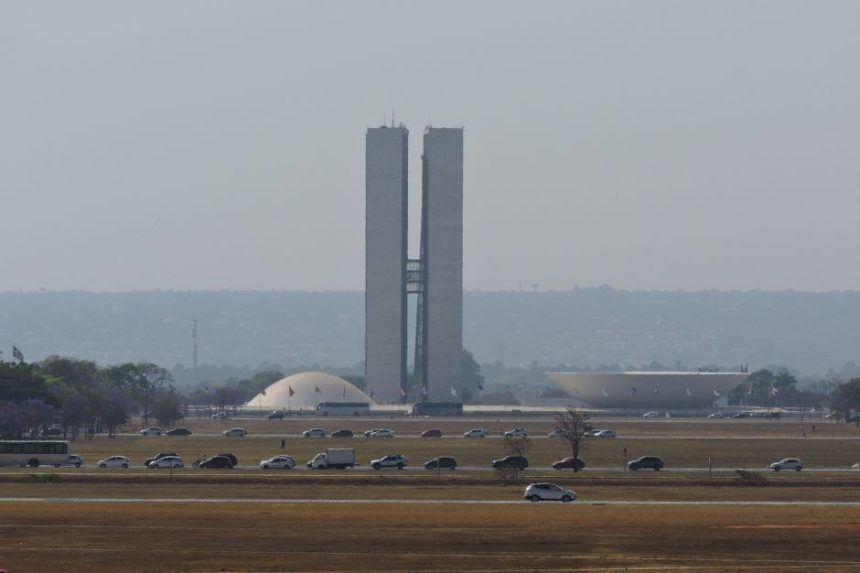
(648, 390)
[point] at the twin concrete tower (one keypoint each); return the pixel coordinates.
(436, 277)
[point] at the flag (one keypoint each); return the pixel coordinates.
(292, 392)
(717, 393)
(317, 390)
(774, 391)
(263, 392)
(453, 392)
(19, 356)
(657, 390)
(402, 392)
(688, 391)
(424, 391)
(605, 393)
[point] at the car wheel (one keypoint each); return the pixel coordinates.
(534, 498)
(656, 469)
(34, 463)
(125, 466)
(776, 468)
(376, 466)
(105, 465)
(798, 468)
(566, 499)
(400, 466)
(78, 464)
(635, 468)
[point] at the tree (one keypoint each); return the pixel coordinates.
(573, 425)
(168, 406)
(472, 381)
(845, 398)
(114, 408)
(19, 418)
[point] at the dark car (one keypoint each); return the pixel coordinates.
(575, 464)
(158, 457)
(216, 462)
(179, 432)
(233, 459)
(646, 463)
(441, 463)
(275, 415)
(518, 462)
(342, 433)
(432, 433)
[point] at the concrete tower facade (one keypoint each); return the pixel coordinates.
(386, 216)
(442, 262)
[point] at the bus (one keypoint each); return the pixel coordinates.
(34, 453)
(343, 408)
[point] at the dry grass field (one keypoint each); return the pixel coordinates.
(42, 537)
(247, 519)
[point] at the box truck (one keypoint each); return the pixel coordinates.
(338, 458)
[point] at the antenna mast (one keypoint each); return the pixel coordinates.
(194, 346)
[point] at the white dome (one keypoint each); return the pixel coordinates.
(309, 389)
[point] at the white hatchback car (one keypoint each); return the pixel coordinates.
(548, 492)
(315, 433)
(383, 433)
(517, 433)
(151, 431)
(235, 433)
(603, 434)
(476, 433)
(650, 415)
(167, 462)
(281, 462)
(787, 464)
(557, 434)
(113, 462)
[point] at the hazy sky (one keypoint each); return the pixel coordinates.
(219, 145)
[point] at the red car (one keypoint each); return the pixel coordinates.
(433, 433)
(574, 464)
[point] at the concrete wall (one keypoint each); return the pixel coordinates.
(386, 183)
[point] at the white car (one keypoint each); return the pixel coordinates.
(557, 434)
(517, 433)
(72, 460)
(315, 433)
(390, 461)
(167, 462)
(548, 492)
(603, 434)
(650, 415)
(219, 415)
(113, 462)
(281, 462)
(151, 431)
(383, 433)
(235, 433)
(787, 464)
(715, 416)
(476, 433)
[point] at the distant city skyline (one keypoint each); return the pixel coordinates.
(210, 145)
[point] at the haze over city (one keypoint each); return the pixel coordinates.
(215, 145)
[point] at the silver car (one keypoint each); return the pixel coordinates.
(787, 464)
(548, 492)
(281, 462)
